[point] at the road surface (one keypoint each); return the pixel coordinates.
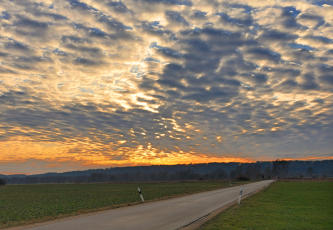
(168, 214)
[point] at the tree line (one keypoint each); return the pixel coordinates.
(211, 171)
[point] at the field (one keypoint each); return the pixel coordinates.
(21, 204)
(283, 206)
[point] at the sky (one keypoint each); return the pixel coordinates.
(100, 83)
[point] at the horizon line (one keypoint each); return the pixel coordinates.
(131, 166)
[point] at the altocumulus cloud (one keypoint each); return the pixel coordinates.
(103, 83)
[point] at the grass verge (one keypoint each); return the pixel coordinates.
(304, 205)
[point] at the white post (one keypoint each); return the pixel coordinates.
(240, 195)
(140, 194)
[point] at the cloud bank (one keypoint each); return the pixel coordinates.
(104, 83)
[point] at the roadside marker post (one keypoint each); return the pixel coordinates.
(140, 194)
(240, 195)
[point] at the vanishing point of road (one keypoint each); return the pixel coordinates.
(168, 214)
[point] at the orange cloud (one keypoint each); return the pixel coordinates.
(84, 152)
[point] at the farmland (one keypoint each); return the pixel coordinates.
(284, 205)
(21, 204)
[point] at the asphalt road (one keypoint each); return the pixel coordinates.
(168, 214)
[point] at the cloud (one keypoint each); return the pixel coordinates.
(131, 82)
(170, 2)
(176, 17)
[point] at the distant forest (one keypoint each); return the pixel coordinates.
(211, 171)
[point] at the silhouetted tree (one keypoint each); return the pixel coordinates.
(268, 173)
(280, 168)
(2, 182)
(253, 171)
(309, 171)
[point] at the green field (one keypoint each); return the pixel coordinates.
(20, 204)
(283, 206)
